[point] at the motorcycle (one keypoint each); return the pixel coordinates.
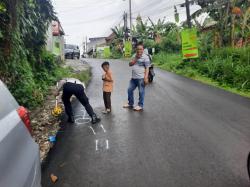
(151, 73)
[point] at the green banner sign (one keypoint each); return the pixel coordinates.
(189, 43)
(56, 45)
(128, 49)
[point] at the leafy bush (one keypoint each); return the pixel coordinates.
(116, 54)
(227, 66)
(25, 87)
(238, 55)
(48, 60)
(167, 61)
(170, 45)
(205, 44)
(149, 43)
(25, 67)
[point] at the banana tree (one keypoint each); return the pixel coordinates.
(222, 12)
(119, 32)
(140, 30)
(119, 36)
(157, 29)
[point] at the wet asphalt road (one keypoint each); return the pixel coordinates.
(189, 134)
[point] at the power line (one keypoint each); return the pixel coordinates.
(86, 7)
(114, 15)
(183, 12)
(162, 7)
(118, 22)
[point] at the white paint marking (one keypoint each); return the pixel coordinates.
(107, 144)
(82, 121)
(79, 116)
(96, 145)
(92, 130)
(103, 128)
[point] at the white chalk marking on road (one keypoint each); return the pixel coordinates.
(107, 144)
(103, 128)
(96, 145)
(84, 113)
(92, 130)
(82, 121)
(79, 116)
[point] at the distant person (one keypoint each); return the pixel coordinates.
(107, 86)
(71, 86)
(140, 68)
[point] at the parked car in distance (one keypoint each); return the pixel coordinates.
(71, 51)
(19, 154)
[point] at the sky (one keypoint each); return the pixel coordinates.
(95, 18)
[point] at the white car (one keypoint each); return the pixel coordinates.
(19, 154)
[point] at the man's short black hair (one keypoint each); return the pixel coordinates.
(105, 64)
(140, 44)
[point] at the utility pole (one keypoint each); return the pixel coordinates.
(130, 15)
(125, 18)
(86, 45)
(188, 13)
(83, 47)
(130, 18)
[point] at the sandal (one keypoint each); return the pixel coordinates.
(127, 106)
(138, 108)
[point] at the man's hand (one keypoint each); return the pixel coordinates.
(146, 76)
(145, 80)
(133, 62)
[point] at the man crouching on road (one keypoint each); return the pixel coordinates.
(71, 86)
(140, 68)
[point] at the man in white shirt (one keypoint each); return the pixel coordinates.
(140, 68)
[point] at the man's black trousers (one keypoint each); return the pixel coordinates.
(70, 89)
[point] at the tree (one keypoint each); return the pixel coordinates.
(117, 43)
(157, 29)
(23, 29)
(140, 31)
(119, 32)
(228, 23)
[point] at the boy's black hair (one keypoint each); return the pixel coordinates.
(105, 64)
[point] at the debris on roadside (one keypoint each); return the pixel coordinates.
(53, 178)
(45, 126)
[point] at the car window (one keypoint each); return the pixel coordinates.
(7, 101)
(67, 46)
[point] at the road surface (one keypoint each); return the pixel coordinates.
(189, 135)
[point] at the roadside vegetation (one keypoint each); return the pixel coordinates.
(25, 66)
(224, 44)
(83, 76)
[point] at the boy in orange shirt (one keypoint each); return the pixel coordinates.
(107, 86)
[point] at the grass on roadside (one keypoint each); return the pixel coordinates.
(173, 63)
(83, 76)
